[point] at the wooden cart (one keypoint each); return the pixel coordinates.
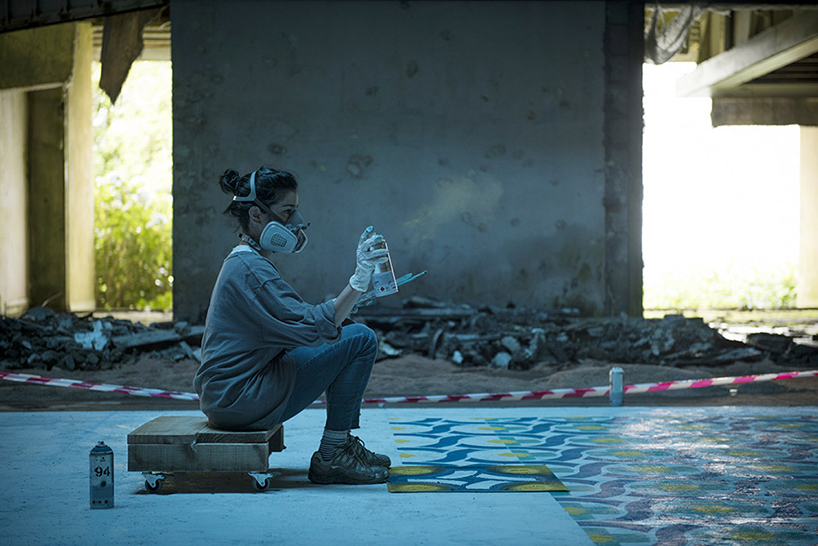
(173, 444)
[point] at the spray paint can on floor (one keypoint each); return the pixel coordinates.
(383, 279)
(616, 386)
(102, 476)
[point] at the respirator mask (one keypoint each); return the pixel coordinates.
(278, 236)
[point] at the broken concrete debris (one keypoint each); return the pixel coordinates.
(506, 338)
(43, 338)
(518, 338)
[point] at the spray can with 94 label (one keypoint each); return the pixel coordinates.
(102, 476)
(383, 279)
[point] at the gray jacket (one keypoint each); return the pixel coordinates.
(253, 318)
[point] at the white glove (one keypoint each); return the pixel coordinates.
(367, 258)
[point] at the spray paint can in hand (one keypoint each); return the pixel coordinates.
(616, 386)
(102, 476)
(383, 279)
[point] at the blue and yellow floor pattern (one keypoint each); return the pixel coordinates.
(659, 476)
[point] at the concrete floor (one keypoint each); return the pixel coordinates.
(636, 476)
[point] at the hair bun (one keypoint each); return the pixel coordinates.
(229, 181)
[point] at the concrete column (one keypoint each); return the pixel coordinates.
(46, 198)
(808, 262)
(469, 134)
(80, 279)
(624, 53)
(13, 204)
(48, 72)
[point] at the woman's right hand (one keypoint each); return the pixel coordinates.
(367, 258)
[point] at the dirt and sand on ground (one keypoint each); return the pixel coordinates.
(413, 375)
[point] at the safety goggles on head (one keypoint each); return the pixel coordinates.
(277, 235)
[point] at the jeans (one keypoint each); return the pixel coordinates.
(341, 369)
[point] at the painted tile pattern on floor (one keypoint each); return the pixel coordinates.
(699, 478)
(505, 478)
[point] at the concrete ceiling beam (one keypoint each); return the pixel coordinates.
(774, 48)
(22, 14)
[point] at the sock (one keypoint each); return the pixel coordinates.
(331, 441)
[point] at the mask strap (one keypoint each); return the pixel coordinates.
(252, 195)
(250, 241)
(252, 198)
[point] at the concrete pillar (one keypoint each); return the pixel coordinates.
(13, 204)
(624, 54)
(451, 127)
(79, 200)
(808, 262)
(48, 72)
(46, 198)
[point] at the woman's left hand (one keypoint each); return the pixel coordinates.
(367, 258)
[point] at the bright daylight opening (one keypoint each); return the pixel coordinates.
(133, 181)
(721, 205)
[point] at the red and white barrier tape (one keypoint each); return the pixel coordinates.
(594, 391)
(136, 391)
(485, 397)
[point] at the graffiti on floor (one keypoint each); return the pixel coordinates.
(693, 478)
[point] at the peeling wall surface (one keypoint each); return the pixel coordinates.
(469, 134)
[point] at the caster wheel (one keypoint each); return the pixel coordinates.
(153, 488)
(263, 486)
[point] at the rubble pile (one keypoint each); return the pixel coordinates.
(520, 338)
(43, 339)
(508, 338)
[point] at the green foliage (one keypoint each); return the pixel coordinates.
(133, 203)
(133, 137)
(133, 245)
(729, 289)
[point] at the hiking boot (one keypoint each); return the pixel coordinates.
(346, 466)
(370, 457)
